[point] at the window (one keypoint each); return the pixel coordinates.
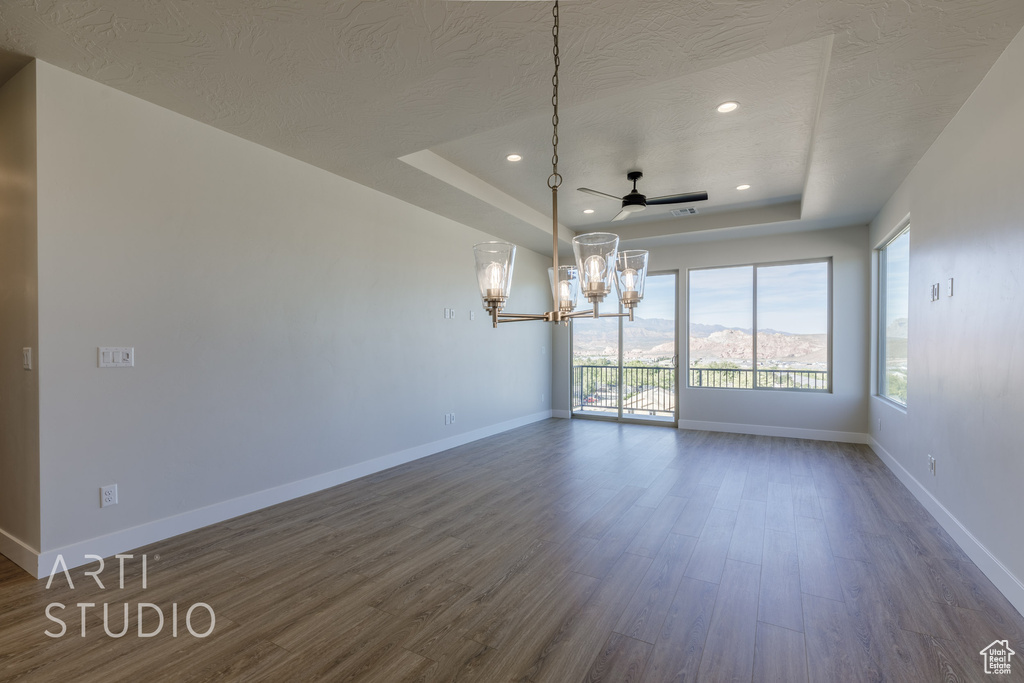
(761, 326)
(893, 309)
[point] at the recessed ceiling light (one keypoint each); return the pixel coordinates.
(743, 187)
(588, 211)
(514, 157)
(726, 107)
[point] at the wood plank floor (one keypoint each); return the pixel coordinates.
(563, 551)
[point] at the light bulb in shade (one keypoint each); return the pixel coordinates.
(495, 275)
(629, 279)
(595, 267)
(564, 291)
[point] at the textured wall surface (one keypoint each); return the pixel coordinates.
(350, 86)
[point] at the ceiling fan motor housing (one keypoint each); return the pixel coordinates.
(634, 201)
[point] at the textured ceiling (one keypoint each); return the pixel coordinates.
(840, 97)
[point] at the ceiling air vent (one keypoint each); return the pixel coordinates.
(688, 211)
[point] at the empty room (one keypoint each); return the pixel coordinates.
(511, 340)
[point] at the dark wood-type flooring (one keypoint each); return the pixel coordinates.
(565, 551)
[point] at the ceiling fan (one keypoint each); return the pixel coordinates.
(634, 201)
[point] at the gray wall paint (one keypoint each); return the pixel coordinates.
(19, 324)
(966, 353)
(286, 322)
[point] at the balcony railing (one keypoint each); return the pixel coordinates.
(728, 378)
(648, 390)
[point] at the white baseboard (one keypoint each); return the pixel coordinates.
(41, 564)
(562, 414)
(767, 430)
(1007, 583)
(18, 552)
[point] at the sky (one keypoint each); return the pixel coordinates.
(659, 298)
(897, 269)
(791, 298)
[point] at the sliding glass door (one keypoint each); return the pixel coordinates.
(625, 370)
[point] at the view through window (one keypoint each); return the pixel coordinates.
(760, 326)
(894, 300)
(636, 379)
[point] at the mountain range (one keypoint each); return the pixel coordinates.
(653, 338)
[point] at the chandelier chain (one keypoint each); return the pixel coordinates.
(555, 179)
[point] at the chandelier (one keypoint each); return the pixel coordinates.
(599, 263)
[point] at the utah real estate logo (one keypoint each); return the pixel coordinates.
(997, 657)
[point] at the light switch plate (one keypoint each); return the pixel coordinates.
(116, 356)
(26, 357)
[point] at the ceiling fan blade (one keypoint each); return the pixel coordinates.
(621, 214)
(599, 194)
(678, 198)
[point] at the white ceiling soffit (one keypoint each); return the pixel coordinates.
(839, 99)
(460, 178)
(672, 132)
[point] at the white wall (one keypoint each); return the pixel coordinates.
(287, 322)
(841, 414)
(966, 353)
(19, 389)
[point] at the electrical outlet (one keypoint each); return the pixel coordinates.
(108, 495)
(931, 465)
(879, 424)
(453, 418)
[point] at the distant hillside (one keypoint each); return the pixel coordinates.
(653, 338)
(737, 346)
(699, 330)
(644, 338)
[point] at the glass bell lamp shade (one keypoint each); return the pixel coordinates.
(595, 260)
(630, 276)
(494, 261)
(567, 289)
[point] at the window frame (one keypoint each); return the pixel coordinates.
(767, 264)
(882, 365)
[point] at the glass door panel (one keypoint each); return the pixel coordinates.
(595, 362)
(649, 354)
(627, 370)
